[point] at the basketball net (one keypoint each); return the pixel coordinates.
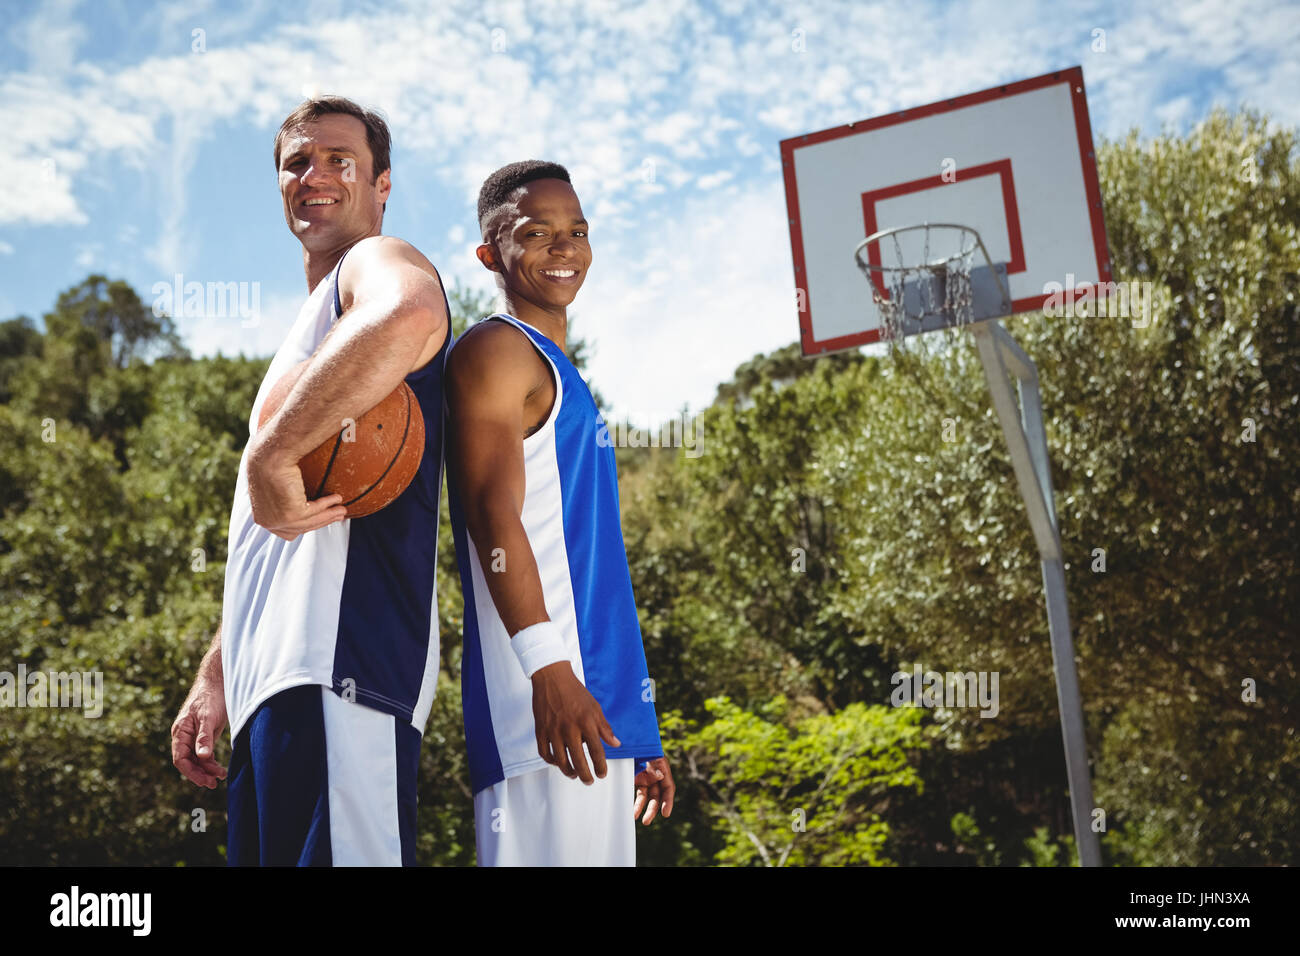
(920, 282)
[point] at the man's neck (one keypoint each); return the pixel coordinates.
(553, 324)
(319, 263)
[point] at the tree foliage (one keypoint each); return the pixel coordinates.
(790, 792)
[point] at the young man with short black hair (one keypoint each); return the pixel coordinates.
(559, 709)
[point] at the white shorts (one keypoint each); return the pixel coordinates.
(544, 818)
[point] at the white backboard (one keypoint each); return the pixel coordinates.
(1014, 162)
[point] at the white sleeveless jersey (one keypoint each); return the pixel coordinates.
(351, 606)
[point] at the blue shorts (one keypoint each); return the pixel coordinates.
(319, 781)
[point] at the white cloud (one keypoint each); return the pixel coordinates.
(677, 131)
(51, 131)
(50, 37)
(714, 180)
(1175, 112)
(672, 314)
(1200, 53)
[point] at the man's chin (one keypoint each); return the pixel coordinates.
(562, 300)
(315, 234)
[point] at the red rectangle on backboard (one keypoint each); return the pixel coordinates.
(1000, 168)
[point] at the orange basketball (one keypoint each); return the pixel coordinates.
(369, 464)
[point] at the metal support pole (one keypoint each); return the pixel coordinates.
(1022, 424)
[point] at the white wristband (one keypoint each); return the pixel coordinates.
(537, 646)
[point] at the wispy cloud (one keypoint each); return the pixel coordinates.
(50, 37)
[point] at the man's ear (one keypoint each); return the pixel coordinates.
(384, 185)
(487, 255)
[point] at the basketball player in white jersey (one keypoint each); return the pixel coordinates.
(326, 659)
(559, 710)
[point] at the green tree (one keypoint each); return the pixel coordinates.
(792, 790)
(19, 341)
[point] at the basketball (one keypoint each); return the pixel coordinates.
(370, 462)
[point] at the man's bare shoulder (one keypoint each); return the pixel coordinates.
(385, 268)
(491, 341)
(390, 250)
(495, 353)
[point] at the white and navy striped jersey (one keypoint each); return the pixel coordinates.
(571, 516)
(351, 606)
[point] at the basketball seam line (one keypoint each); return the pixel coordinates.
(396, 455)
(330, 464)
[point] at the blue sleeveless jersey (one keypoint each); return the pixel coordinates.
(571, 516)
(388, 613)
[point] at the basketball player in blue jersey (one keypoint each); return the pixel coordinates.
(326, 659)
(559, 710)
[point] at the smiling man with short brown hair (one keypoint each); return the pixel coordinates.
(327, 657)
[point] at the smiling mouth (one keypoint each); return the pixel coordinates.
(320, 202)
(560, 273)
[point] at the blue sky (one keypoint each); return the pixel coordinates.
(133, 154)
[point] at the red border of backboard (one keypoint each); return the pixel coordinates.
(1000, 168)
(1083, 128)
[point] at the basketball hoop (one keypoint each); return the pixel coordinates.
(921, 277)
(1032, 188)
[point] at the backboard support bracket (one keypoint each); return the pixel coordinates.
(989, 299)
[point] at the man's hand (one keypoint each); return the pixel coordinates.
(278, 498)
(566, 717)
(195, 732)
(654, 791)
